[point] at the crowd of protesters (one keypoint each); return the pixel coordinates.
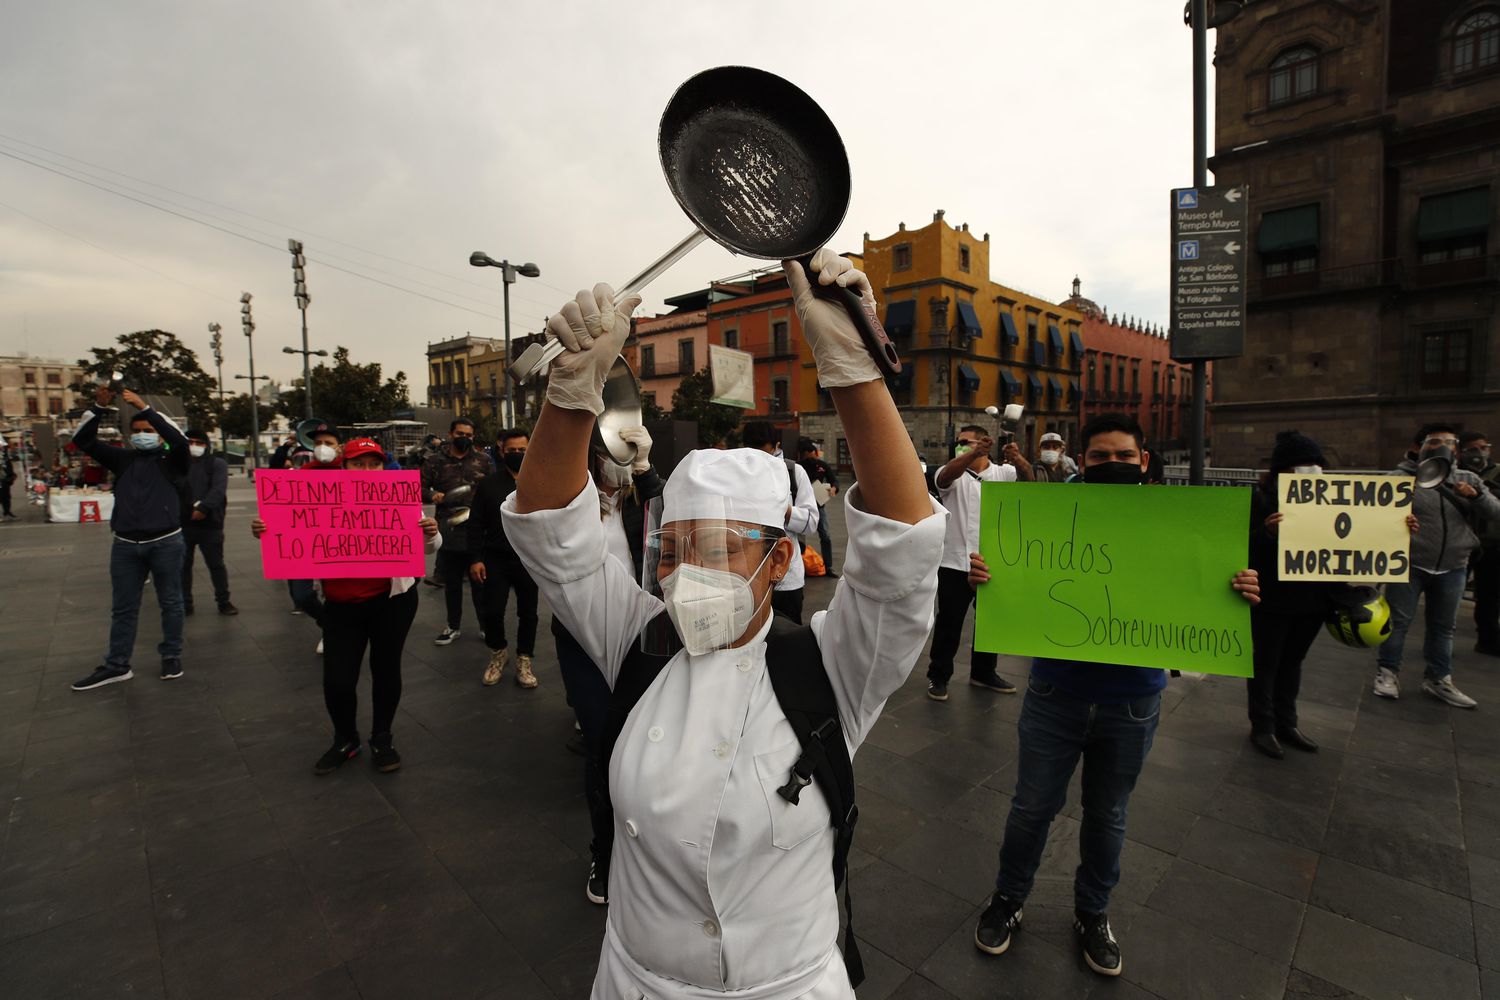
(562, 518)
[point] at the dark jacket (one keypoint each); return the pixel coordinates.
(1447, 536)
(1297, 597)
(442, 473)
(819, 471)
(149, 485)
(208, 488)
(486, 533)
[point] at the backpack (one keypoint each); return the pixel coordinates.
(806, 696)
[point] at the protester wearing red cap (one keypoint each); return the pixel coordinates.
(364, 612)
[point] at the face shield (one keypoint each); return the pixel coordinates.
(714, 572)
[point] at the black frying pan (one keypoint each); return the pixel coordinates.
(761, 170)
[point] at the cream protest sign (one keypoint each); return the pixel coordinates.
(1350, 529)
(734, 376)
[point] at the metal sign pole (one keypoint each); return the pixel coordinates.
(1200, 181)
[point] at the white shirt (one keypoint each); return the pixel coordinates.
(716, 883)
(961, 497)
(615, 542)
(802, 519)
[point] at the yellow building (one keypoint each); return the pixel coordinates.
(966, 342)
(449, 385)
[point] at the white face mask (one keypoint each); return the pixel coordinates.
(615, 476)
(1308, 470)
(197, 450)
(325, 452)
(1050, 457)
(711, 608)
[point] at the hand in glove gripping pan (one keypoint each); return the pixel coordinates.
(593, 329)
(840, 353)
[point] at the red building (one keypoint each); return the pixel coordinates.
(1128, 368)
(756, 315)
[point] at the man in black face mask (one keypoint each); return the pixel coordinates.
(1474, 455)
(496, 570)
(457, 465)
(1105, 714)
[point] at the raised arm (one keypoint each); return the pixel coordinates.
(86, 438)
(885, 463)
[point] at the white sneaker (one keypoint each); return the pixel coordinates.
(1387, 685)
(1445, 691)
(319, 650)
(446, 636)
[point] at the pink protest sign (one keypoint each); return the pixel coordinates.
(332, 523)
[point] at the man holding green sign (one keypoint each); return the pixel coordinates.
(1079, 583)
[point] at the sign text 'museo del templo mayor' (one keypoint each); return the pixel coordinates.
(1130, 575)
(1345, 528)
(328, 523)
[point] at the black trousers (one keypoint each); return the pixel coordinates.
(1487, 596)
(382, 625)
(789, 603)
(590, 697)
(501, 576)
(4, 498)
(211, 542)
(1281, 644)
(453, 570)
(954, 595)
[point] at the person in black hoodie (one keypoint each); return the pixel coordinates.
(496, 570)
(208, 488)
(1287, 619)
(150, 479)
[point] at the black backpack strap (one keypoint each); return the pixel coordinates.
(795, 665)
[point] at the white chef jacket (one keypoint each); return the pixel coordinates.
(716, 883)
(615, 540)
(802, 519)
(961, 497)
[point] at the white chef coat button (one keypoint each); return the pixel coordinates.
(745, 666)
(654, 734)
(710, 928)
(630, 828)
(722, 750)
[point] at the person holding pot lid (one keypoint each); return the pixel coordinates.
(718, 884)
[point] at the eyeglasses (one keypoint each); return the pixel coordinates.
(1446, 442)
(715, 547)
(966, 441)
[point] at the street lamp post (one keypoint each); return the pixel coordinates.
(299, 292)
(248, 325)
(509, 271)
(217, 340)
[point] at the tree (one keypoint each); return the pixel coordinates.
(691, 402)
(346, 393)
(651, 410)
(235, 417)
(155, 362)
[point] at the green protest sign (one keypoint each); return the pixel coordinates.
(1134, 575)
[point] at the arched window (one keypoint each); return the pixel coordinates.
(1293, 74)
(1476, 42)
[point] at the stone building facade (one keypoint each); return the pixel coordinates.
(1368, 132)
(34, 389)
(448, 371)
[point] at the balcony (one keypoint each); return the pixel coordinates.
(1460, 271)
(1385, 273)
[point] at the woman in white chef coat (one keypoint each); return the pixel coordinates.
(718, 885)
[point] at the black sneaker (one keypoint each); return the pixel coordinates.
(992, 682)
(937, 690)
(102, 676)
(383, 753)
(1100, 950)
(338, 753)
(171, 668)
(995, 924)
(228, 609)
(597, 887)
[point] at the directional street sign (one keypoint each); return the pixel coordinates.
(1210, 230)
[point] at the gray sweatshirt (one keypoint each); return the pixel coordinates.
(1447, 537)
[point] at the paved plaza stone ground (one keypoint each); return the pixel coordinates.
(171, 840)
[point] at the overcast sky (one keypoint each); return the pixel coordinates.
(393, 137)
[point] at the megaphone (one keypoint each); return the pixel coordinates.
(305, 430)
(1007, 421)
(1433, 470)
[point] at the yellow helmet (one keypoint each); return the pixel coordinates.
(1360, 617)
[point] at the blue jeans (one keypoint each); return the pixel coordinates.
(129, 563)
(1056, 729)
(1444, 591)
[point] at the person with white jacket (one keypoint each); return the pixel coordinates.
(718, 885)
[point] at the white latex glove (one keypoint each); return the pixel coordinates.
(593, 330)
(836, 344)
(642, 441)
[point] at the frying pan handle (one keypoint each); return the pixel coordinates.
(877, 342)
